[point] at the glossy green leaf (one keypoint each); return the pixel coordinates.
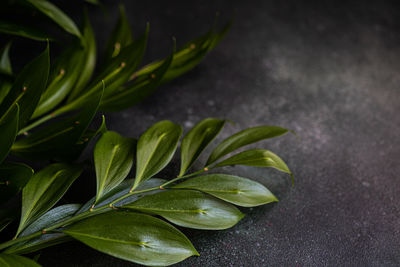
(155, 149)
(189, 208)
(256, 158)
(63, 139)
(119, 69)
(140, 88)
(5, 64)
(88, 61)
(13, 177)
(133, 237)
(8, 130)
(113, 159)
(120, 37)
(243, 138)
(121, 190)
(51, 217)
(64, 73)
(58, 16)
(237, 190)
(197, 140)
(23, 31)
(6, 69)
(44, 189)
(8, 260)
(28, 87)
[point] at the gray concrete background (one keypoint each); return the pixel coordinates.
(328, 70)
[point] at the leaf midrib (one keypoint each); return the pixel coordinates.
(114, 152)
(107, 239)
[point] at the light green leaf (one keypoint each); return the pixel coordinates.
(133, 237)
(8, 130)
(13, 177)
(23, 31)
(113, 159)
(256, 158)
(88, 61)
(44, 189)
(28, 88)
(8, 260)
(63, 139)
(58, 16)
(243, 138)
(141, 87)
(189, 208)
(64, 73)
(120, 37)
(197, 140)
(155, 149)
(237, 190)
(51, 217)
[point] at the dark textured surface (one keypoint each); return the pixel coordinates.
(329, 71)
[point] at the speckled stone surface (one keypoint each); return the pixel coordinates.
(327, 70)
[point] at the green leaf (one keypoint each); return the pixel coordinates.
(23, 31)
(13, 177)
(28, 88)
(88, 61)
(121, 190)
(8, 260)
(133, 237)
(8, 130)
(140, 88)
(120, 68)
(256, 158)
(189, 208)
(113, 159)
(51, 217)
(7, 216)
(5, 64)
(237, 190)
(243, 138)
(64, 73)
(44, 189)
(197, 140)
(120, 37)
(63, 139)
(59, 17)
(155, 149)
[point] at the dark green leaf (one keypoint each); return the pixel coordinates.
(7, 216)
(23, 31)
(197, 140)
(13, 177)
(8, 130)
(141, 87)
(155, 149)
(56, 15)
(88, 61)
(243, 138)
(113, 159)
(123, 189)
(63, 139)
(189, 208)
(8, 260)
(44, 189)
(256, 158)
(5, 64)
(51, 217)
(133, 237)
(120, 37)
(28, 87)
(237, 190)
(64, 73)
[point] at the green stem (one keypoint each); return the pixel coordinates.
(93, 211)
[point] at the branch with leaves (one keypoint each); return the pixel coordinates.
(122, 220)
